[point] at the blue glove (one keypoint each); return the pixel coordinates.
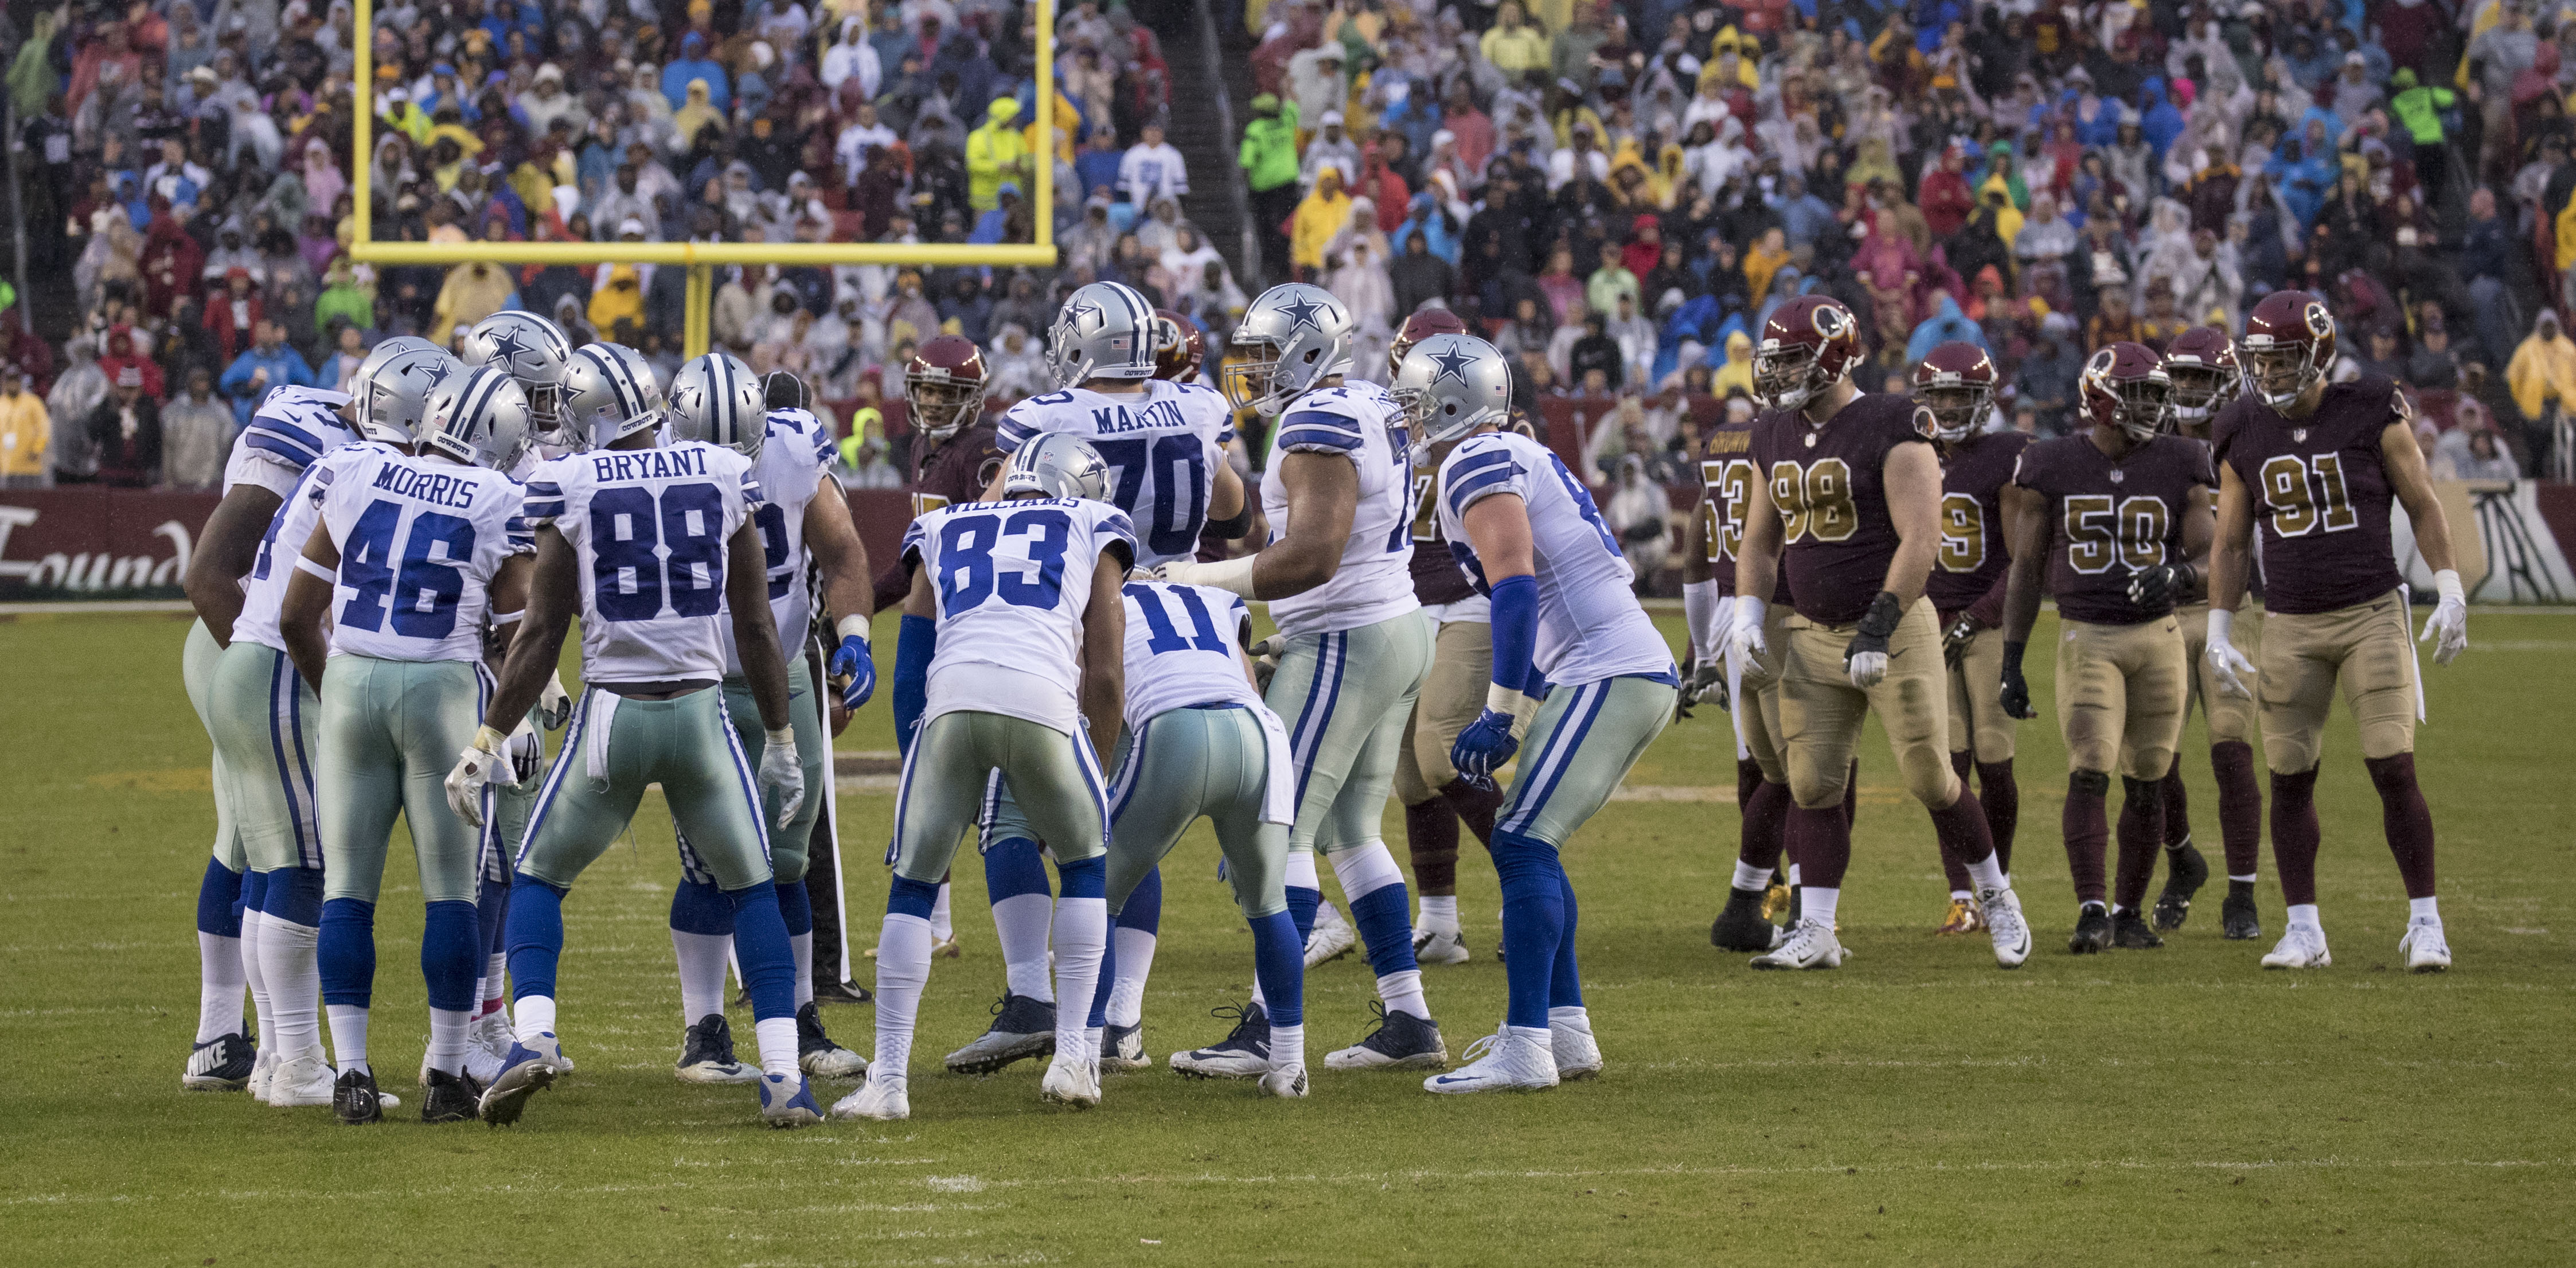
(1483, 747)
(857, 663)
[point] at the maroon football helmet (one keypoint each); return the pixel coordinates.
(1418, 327)
(2289, 341)
(1809, 344)
(2124, 386)
(2201, 362)
(1955, 384)
(944, 385)
(1178, 347)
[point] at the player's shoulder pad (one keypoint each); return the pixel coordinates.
(1481, 465)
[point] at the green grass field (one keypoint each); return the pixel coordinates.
(1918, 1106)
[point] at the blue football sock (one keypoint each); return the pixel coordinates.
(699, 907)
(1086, 879)
(1100, 990)
(294, 894)
(760, 947)
(1144, 909)
(1565, 984)
(535, 936)
(796, 908)
(1533, 923)
(254, 895)
(346, 953)
(449, 959)
(219, 901)
(1013, 867)
(1302, 903)
(1279, 964)
(491, 908)
(1381, 909)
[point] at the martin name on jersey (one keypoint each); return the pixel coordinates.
(1163, 451)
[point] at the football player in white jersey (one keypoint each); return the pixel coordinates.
(648, 545)
(1200, 741)
(1011, 647)
(717, 399)
(531, 350)
(1165, 443)
(410, 556)
(1336, 574)
(1567, 623)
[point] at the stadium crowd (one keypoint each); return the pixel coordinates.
(1614, 193)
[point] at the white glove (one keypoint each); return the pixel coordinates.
(1743, 639)
(527, 753)
(782, 769)
(2450, 619)
(554, 704)
(1866, 669)
(480, 764)
(2225, 661)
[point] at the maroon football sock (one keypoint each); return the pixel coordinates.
(1766, 820)
(1748, 776)
(2000, 794)
(1954, 868)
(2087, 827)
(2295, 835)
(2142, 835)
(1961, 829)
(2177, 805)
(1820, 840)
(2408, 820)
(1431, 834)
(2240, 806)
(1851, 796)
(1476, 806)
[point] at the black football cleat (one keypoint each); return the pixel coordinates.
(1023, 1027)
(221, 1064)
(2130, 932)
(452, 1098)
(1401, 1041)
(2092, 931)
(2237, 919)
(1741, 927)
(354, 1099)
(2185, 872)
(841, 993)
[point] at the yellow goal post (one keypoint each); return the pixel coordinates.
(700, 258)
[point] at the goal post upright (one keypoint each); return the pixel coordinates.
(700, 258)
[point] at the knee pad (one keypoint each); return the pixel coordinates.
(2091, 783)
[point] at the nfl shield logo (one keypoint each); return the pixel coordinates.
(2299, 435)
(2119, 476)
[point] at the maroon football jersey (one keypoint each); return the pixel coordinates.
(1727, 480)
(2110, 519)
(957, 470)
(1973, 554)
(1437, 578)
(2321, 493)
(1829, 484)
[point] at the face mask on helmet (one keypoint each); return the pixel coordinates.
(940, 409)
(2142, 406)
(1785, 378)
(1956, 410)
(2277, 374)
(2196, 390)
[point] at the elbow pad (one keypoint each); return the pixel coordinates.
(913, 651)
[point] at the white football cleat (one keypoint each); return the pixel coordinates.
(2425, 949)
(2304, 947)
(1439, 946)
(884, 1098)
(2004, 923)
(1071, 1079)
(1504, 1061)
(1578, 1055)
(306, 1080)
(263, 1071)
(1287, 1082)
(1332, 938)
(1810, 945)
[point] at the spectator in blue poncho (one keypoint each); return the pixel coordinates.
(693, 63)
(2157, 116)
(1945, 324)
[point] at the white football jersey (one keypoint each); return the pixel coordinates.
(420, 541)
(264, 586)
(1375, 582)
(1184, 647)
(292, 427)
(793, 456)
(1590, 626)
(1163, 451)
(1013, 580)
(648, 528)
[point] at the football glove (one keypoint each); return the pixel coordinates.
(1955, 640)
(1707, 684)
(2448, 627)
(855, 662)
(783, 770)
(481, 763)
(1483, 748)
(2227, 664)
(1743, 639)
(2158, 586)
(1865, 657)
(1265, 662)
(527, 751)
(554, 704)
(2015, 696)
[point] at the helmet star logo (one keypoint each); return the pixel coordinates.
(506, 346)
(1301, 314)
(1086, 316)
(1452, 362)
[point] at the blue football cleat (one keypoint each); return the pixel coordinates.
(523, 1073)
(780, 1107)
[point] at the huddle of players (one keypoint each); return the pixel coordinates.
(2143, 527)
(383, 598)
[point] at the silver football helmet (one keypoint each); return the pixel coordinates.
(391, 388)
(533, 351)
(717, 399)
(479, 417)
(1105, 331)
(1299, 336)
(610, 393)
(1450, 387)
(1059, 466)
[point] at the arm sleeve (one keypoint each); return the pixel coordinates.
(1116, 535)
(1515, 615)
(913, 649)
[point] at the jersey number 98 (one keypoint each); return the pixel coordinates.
(1814, 500)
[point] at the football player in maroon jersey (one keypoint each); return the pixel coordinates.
(2316, 466)
(2118, 517)
(1956, 383)
(1179, 348)
(1850, 506)
(2201, 362)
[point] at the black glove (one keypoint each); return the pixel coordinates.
(2016, 693)
(2160, 586)
(1955, 640)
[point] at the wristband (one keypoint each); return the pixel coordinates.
(2222, 623)
(489, 740)
(1885, 612)
(510, 618)
(782, 737)
(1231, 574)
(1502, 699)
(1751, 611)
(2446, 583)
(851, 627)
